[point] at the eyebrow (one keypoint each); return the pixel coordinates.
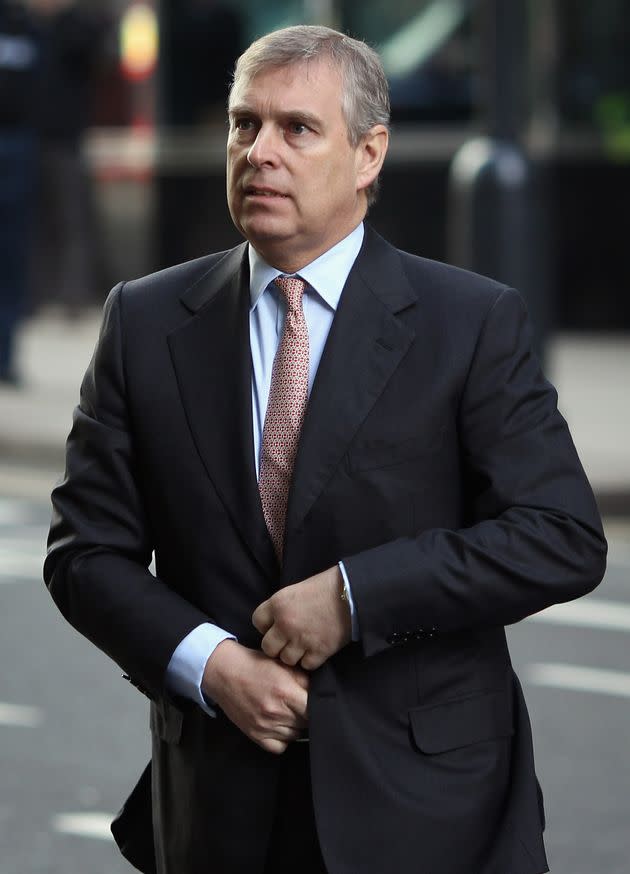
(301, 115)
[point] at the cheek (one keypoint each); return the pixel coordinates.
(327, 183)
(232, 180)
(341, 173)
(236, 160)
(229, 176)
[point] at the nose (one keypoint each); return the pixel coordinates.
(263, 151)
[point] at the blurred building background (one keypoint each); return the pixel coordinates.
(155, 147)
(510, 155)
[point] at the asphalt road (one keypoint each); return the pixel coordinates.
(74, 735)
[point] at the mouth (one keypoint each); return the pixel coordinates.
(255, 191)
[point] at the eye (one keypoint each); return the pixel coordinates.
(297, 127)
(243, 124)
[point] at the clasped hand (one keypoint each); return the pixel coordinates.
(305, 623)
(265, 694)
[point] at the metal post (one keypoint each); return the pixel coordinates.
(495, 210)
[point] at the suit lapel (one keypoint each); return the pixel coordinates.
(212, 361)
(365, 346)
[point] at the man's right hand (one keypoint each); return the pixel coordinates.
(265, 698)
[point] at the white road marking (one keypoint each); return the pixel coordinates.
(588, 613)
(619, 553)
(84, 825)
(18, 715)
(31, 535)
(579, 678)
(20, 565)
(12, 512)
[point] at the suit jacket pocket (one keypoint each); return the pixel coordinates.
(463, 721)
(166, 721)
(381, 453)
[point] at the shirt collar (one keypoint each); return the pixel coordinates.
(326, 275)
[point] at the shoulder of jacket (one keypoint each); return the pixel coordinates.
(172, 280)
(454, 277)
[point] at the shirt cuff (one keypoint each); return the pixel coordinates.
(185, 669)
(356, 634)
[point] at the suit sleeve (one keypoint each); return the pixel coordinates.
(535, 536)
(100, 543)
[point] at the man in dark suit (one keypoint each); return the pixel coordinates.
(353, 475)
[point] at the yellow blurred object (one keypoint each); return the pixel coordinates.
(139, 41)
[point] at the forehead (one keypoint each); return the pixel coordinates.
(311, 82)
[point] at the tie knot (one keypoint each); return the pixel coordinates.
(292, 287)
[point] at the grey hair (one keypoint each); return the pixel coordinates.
(365, 93)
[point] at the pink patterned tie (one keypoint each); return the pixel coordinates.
(288, 396)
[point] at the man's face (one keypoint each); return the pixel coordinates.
(294, 182)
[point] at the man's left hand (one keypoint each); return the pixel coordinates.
(305, 623)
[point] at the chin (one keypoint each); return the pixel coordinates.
(265, 229)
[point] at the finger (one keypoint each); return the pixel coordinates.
(289, 733)
(289, 729)
(302, 678)
(311, 661)
(271, 745)
(273, 642)
(262, 617)
(291, 654)
(297, 702)
(279, 734)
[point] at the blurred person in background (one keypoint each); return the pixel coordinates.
(72, 39)
(19, 57)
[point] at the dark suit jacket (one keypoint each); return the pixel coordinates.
(433, 461)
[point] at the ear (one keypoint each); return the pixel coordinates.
(371, 153)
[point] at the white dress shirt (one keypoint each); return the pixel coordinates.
(325, 278)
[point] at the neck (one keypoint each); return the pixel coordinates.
(276, 254)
